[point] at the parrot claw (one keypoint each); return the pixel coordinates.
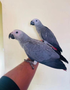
(31, 63)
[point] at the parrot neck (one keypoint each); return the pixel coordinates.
(39, 28)
(40, 25)
(24, 40)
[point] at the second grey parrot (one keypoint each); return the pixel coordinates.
(37, 50)
(47, 35)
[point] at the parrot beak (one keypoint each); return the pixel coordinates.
(32, 23)
(11, 36)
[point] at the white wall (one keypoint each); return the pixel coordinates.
(53, 13)
(2, 63)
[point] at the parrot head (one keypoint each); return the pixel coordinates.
(19, 35)
(35, 22)
(16, 34)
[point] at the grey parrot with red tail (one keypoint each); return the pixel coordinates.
(37, 50)
(47, 35)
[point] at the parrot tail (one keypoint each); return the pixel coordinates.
(63, 59)
(57, 64)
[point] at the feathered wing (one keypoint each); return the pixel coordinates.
(44, 54)
(48, 36)
(58, 64)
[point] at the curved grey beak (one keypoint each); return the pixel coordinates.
(11, 36)
(32, 23)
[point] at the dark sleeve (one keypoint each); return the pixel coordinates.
(8, 84)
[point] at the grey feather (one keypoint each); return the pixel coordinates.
(47, 35)
(38, 50)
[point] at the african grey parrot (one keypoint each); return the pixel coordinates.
(37, 50)
(47, 35)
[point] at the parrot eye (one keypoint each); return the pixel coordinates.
(36, 20)
(16, 32)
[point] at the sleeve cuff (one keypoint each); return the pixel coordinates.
(8, 84)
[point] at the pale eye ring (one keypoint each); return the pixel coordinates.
(36, 20)
(16, 32)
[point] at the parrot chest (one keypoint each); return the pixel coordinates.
(38, 30)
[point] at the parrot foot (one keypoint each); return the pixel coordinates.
(31, 63)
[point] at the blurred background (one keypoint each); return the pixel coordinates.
(17, 14)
